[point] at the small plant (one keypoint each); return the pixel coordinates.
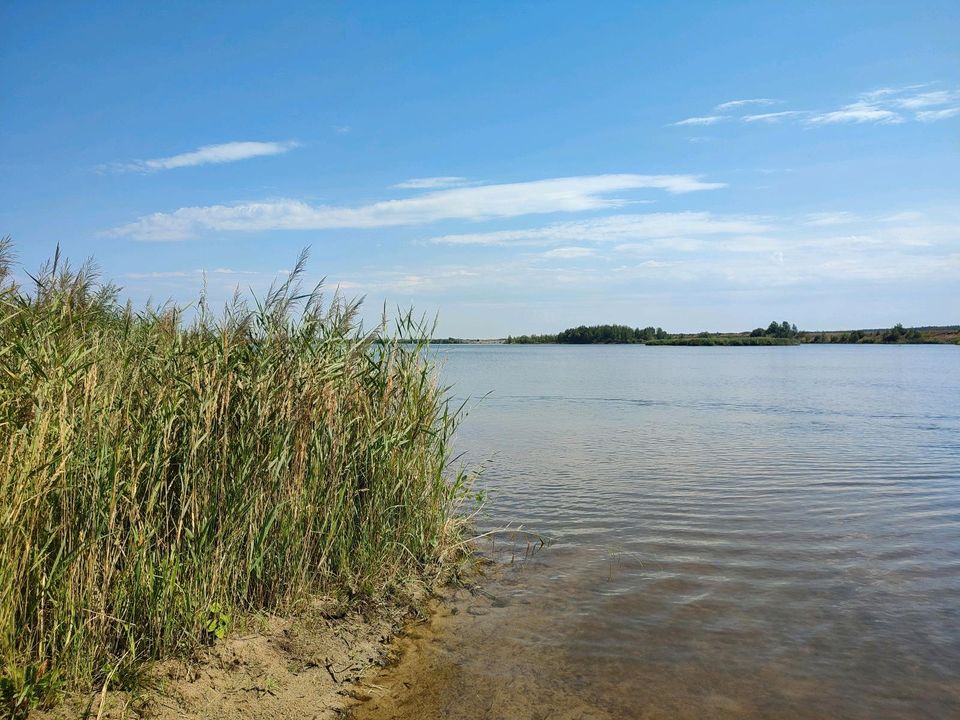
(217, 622)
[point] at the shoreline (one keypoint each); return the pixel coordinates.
(321, 662)
(326, 659)
(414, 684)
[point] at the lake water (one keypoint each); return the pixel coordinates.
(732, 533)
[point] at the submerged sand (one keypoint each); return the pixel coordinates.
(482, 652)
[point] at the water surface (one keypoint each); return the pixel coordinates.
(733, 532)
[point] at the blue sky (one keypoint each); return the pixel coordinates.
(511, 167)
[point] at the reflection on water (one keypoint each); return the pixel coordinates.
(735, 532)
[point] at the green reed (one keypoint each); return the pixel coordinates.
(156, 470)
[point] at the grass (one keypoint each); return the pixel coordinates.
(161, 475)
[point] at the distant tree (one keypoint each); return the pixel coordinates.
(779, 330)
(584, 335)
(894, 334)
(531, 339)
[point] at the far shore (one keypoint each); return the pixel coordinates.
(622, 335)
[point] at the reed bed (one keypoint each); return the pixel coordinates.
(161, 476)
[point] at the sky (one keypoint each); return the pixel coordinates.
(506, 168)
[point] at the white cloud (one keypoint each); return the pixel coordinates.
(433, 183)
(883, 106)
(934, 115)
(857, 113)
(927, 99)
(743, 251)
(905, 216)
(773, 116)
(570, 194)
(342, 129)
(569, 253)
(885, 92)
(880, 106)
(707, 120)
(672, 244)
(830, 218)
(614, 228)
(206, 155)
(159, 274)
(796, 255)
(633, 253)
(741, 103)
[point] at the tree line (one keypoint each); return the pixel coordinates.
(594, 335)
(779, 333)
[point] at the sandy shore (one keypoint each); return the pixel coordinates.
(318, 664)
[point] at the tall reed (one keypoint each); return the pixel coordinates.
(155, 469)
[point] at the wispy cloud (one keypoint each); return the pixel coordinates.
(772, 117)
(555, 195)
(569, 253)
(614, 228)
(882, 93)
(433, 183)
(882, 106)
(206, 155)
(790, 253)
(857, 113)
(705, 120)
(927, 99)
(629, 254)
(908, 216)
(160, 274)
(730, 104)
(934, 115)
(830, 218)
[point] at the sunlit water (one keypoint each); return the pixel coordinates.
(733, 532)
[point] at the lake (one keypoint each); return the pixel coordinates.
(730, 533)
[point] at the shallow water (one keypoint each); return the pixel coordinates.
(733, 532)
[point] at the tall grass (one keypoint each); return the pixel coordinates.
(154, 470)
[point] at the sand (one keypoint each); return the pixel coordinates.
(318, 665)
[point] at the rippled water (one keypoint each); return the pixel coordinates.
(733, 532)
